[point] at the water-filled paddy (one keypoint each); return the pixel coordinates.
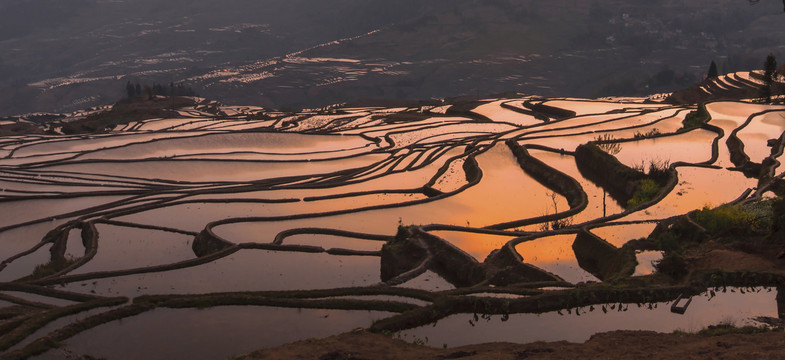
(579, 324)
(194, 205)
(246, 270)
(223, 332)
(554, 254)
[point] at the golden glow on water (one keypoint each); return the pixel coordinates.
(698, 187)
(505, 193)
(554, 254)
(692, 147)
(364, 170)
(761, 129)
(597, 207)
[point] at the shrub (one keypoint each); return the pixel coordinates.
(606, 143)
(658, 170)
(672, 264)
(777, 220)
(764, 215)
(694, 119)
(650, 133)
(667, 241)
(556, 224)
(561, 223)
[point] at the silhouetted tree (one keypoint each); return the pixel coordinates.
(149, 92)
(157, 89)
(770, 69)
(712, 70)
(130, 90)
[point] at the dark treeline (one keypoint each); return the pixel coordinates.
(135, 90)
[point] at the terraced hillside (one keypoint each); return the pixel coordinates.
(738, 85)
(242, 227)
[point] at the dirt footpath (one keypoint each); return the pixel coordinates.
(611, 345)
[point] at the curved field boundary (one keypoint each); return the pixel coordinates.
(549, 111)
(325, 231)
(534, 114)
(736, 147)
(550, 178)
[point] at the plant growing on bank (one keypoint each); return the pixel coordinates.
(558, 223)
(731, 218)
(695, 119)
(606, 142)
(650, 133)
(658, 170)
(647, 190)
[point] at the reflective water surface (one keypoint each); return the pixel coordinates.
(307, 201)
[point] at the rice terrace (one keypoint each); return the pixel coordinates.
(368, 179)
(446, 223)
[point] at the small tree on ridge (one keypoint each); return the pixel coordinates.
(712, 70)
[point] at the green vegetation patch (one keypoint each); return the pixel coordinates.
(648, 189)
(695, 118)
(735, 219)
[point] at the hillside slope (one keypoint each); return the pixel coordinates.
(307, 53)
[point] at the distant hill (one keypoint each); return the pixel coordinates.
(307, 53)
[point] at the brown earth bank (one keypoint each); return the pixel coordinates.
(611, 345)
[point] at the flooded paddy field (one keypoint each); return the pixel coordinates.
(460, 224)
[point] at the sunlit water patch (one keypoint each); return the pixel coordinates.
(333, 178)
(583, 107)
(692, 147)
(554, 254)
(698, 187)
